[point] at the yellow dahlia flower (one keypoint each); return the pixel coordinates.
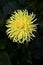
(20, 26)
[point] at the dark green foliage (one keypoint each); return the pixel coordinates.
(4, 58)
(21, 54)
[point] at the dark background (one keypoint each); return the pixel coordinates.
(21, 54)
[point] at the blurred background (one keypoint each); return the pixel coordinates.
(21, 54)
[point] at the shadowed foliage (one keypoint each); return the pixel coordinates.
(21, 54)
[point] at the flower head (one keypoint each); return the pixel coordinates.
(21, 26)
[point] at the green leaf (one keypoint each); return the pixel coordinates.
(10, 7)
(4, 59)
(37, 47)
(41, 27)
(3, 43)
(24, 54)
(1, 23)
(41, 24)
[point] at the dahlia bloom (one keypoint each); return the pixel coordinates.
(20, 26)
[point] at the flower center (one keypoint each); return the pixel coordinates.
(20, 26)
